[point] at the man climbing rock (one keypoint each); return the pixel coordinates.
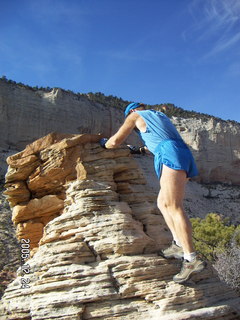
(174, 165)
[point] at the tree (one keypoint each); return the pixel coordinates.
(212, 235)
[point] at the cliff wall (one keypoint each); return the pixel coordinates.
(216, 148)
(26, 115)
(90, 219)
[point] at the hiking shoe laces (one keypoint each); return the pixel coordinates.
(188, 269)
(173, 251)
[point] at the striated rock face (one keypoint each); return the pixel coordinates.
(26, 115)
(216, 148)
(94, 230)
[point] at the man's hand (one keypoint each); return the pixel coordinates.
(103, 142)
(137, 150)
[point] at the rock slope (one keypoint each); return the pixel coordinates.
(91, 222)
(200, 198)
(9, 248)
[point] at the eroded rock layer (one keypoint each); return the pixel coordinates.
(94, 232)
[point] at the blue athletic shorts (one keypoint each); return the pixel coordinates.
(174, 154)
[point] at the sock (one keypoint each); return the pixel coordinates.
(177, 242)
(190, 256)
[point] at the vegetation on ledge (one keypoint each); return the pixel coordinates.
(112, 101)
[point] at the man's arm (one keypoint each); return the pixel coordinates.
(123, 132)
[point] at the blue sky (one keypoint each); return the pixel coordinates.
(185, 52)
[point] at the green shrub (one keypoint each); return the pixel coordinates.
(213, 235)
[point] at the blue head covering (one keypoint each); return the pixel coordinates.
(130, 107)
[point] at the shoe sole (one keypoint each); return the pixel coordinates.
(202, 267)
(175, 256)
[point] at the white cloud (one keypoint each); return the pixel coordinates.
(224, 44)
(216, 22)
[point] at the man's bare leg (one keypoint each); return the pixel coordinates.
(170, 203)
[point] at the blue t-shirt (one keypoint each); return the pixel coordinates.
(158, 128)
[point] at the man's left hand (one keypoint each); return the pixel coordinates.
(137, 150)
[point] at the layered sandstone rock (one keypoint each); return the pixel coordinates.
(95, 231)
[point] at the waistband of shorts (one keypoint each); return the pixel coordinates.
(158, 147)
